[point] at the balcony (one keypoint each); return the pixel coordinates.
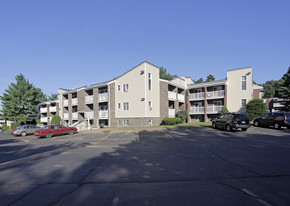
(180, 97)
(214, 109)
(215, 94)
(196, 110)
(196, 96)
(103, 97)
(65, 116)
(89, 115)
(74, 101)
(171, 96)
(52, 109)
(65, 103)
(171, 113)
(44, 119)
(103, 114)
(89, 99)
(43, 110)
(74, 115)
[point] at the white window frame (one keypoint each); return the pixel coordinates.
(119, 87)
(150, 105)
(149, 81)
(119, 122)
(119, 106)
(244, 80)
(125, 88)
(150, 122)
(125, 106)
(242, 102)
(126, 122)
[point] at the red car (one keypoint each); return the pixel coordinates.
(55, 129)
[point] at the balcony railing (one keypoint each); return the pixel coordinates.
(214, 109)
(43, 110)
(89, 99)
(65, 116)
(52, 109)
(278, 105)
(180, 97)
(171, 113)
(74, 101)
(44, 119)
(103, 114)
(196, 96)
(215, 94)
(103, 97)
(74, 115)
(171, 96)
(196, 110)
(89, 115)
(65, 103)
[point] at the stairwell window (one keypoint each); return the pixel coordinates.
(244, 82)
(149, 81)
(125, 87)
(126, 106)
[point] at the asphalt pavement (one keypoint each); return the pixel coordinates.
(177, 166)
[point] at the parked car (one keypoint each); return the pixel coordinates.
(56, 129)
(230, 121)
(24, 130)
(275, 119)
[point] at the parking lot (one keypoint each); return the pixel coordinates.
(175, 166)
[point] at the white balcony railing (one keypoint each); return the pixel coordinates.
(171, 96)
(215, 94)
(171, 113)
(180, 97)
(52, 109)
(74, 115)
(74, 101)
(103, 114)
(65, 116)
(65, 103)
(44, 119)
(89, 99)
(89, 115)
(196, 96)
(103, 97)
(43, 110)
(278, 105)
(196, 110)
(214, 109)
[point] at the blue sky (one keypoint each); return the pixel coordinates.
(68, 43)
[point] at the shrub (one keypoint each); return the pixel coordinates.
(256, 108)
(171, 121)
(182, 115)
(15, 125)
(224, 110)
(55, 119)
(38, 121)
(5, 127)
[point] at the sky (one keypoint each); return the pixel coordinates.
(69, 44)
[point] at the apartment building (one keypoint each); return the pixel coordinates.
(206, 100)
(48, 110)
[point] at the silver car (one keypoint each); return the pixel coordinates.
(24, 130)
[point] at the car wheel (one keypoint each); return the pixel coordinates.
(228, 128)
(48, 135)
(23, 134)
(277, 126)
(244, 129)
(71, 132)
(256, 123)
(214, 125)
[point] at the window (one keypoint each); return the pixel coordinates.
(150, 122)
(244, 102)
(119, 123)
(150, 105)
(119, 105)
(126, 122)
(219, 88)
(126, 106)
(119, 88)
(217, 103)
(244, 83)
(125, 87)
(149, 81)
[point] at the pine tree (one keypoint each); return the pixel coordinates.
(20, 100)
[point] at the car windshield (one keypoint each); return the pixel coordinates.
(241, 116)
(45, 127)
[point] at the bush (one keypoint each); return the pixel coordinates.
(171, 121)
(55, 119)
(5, 127)
(256, 108)
(38, 121)
(224, 110)
(182, 115)
(15, 125)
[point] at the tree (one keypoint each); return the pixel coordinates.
(164, 75)
(224, 110)
(182, 115)
(52, 97)
(200, 80)
(210, 78)
(256, 108)
(272, 88)
(20, 100)
(55, 119)
(284, 91)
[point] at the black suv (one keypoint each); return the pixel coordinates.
(275, 119)
(230, 121)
